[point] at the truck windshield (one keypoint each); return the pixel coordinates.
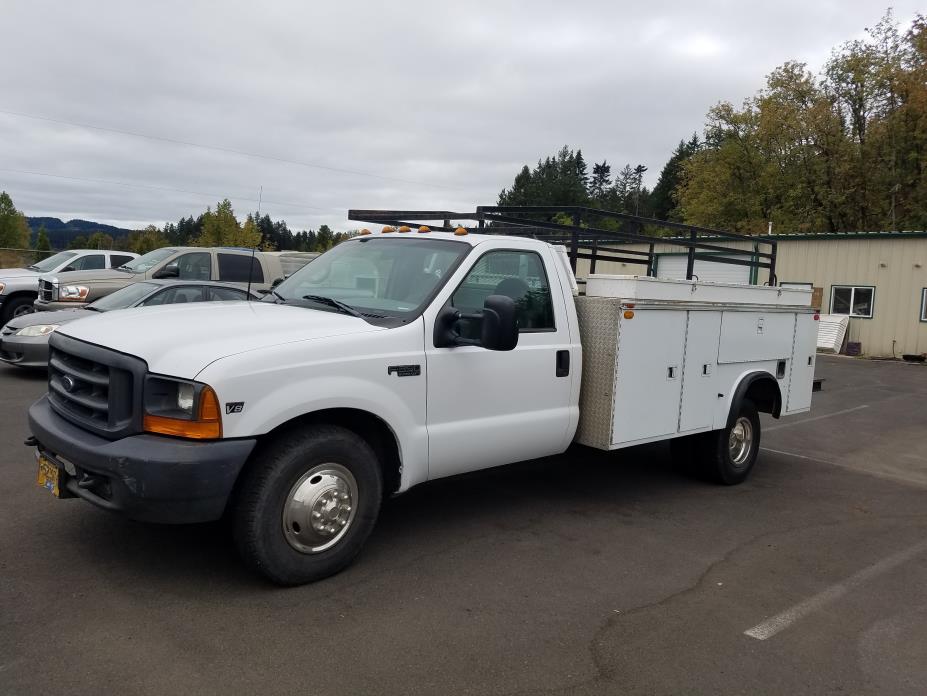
(52, 262)
(376, 277)
(147, 261)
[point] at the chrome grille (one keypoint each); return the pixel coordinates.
(46, 290)
(94, 387)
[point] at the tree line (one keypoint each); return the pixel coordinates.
(845, 150)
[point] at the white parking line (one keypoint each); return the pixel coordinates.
(808, 420)
(772, 626)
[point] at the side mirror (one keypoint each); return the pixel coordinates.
(167, 272)
(66, 269)
(498, 325)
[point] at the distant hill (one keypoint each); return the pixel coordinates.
(61, 233)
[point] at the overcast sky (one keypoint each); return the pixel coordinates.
(403, 104)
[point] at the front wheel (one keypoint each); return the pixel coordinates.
(16, 307)
(728, 455)
(307, 504)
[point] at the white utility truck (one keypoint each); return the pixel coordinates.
(401, 356)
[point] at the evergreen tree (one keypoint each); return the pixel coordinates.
(600, 184)
(662, 198)
(42, 245)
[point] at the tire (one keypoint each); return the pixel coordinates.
(291, 520)
(728, 455)
(16, 306)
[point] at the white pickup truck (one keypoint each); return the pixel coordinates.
(396, 358)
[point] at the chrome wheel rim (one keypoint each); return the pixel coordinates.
(740, 441)
(23, 310)
(320, 508)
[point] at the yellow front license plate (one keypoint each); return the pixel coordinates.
(48, 476)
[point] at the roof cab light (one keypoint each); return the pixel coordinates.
(387, 229)
(365, 231)
(423, 229)
(405, 228)
(461, 231)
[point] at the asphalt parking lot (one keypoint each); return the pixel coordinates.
(587, 573)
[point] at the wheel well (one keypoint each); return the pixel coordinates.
(371, 428)
(764, 392)
(22, 293)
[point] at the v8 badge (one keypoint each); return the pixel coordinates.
(234, 406)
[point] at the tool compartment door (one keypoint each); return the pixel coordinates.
(699, 391)
(802, 381)
(648, 380)
(756, 336)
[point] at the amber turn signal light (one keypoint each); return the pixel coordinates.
(206, 426)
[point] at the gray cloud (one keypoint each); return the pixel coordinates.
(457, 96)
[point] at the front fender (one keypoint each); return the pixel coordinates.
(293, 380)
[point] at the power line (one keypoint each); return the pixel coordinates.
(128, 184)
(227, 150)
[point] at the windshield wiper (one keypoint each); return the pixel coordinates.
(332, 302)
(33, 267)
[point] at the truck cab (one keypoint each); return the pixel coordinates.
(19, 287)
(75, 288)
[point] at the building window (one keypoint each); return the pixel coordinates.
(852, 300)
(924, 304)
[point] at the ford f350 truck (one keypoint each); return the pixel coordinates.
(407, 355)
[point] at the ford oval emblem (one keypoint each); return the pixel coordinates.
(68, 383)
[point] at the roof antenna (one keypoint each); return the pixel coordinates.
(254, 249)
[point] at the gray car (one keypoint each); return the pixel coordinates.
(24, 339)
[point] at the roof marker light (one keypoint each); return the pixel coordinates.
(405, 228)
(423, 229)
(461, 231)
(387, 229)
(365, 231)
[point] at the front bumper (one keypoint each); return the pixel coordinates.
(44, 306)
(24, 351)
(152, 478)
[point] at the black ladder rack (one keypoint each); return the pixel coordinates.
(584, 240)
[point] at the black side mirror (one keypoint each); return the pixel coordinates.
(498, 325)
(66, 269)
(167, 272)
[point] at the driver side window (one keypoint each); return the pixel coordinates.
(517, 274)
(194, 266)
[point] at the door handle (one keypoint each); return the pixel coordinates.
(563, 363)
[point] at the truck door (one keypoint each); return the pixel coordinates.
(485, 407)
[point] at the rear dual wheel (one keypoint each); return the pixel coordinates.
(724, 456)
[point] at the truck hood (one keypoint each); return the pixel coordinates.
(7, 273)
(180, 340)
(75, 277)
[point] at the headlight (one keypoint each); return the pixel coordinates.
(73, 293)
(37, 330)
(181, 408)
(2, 286)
